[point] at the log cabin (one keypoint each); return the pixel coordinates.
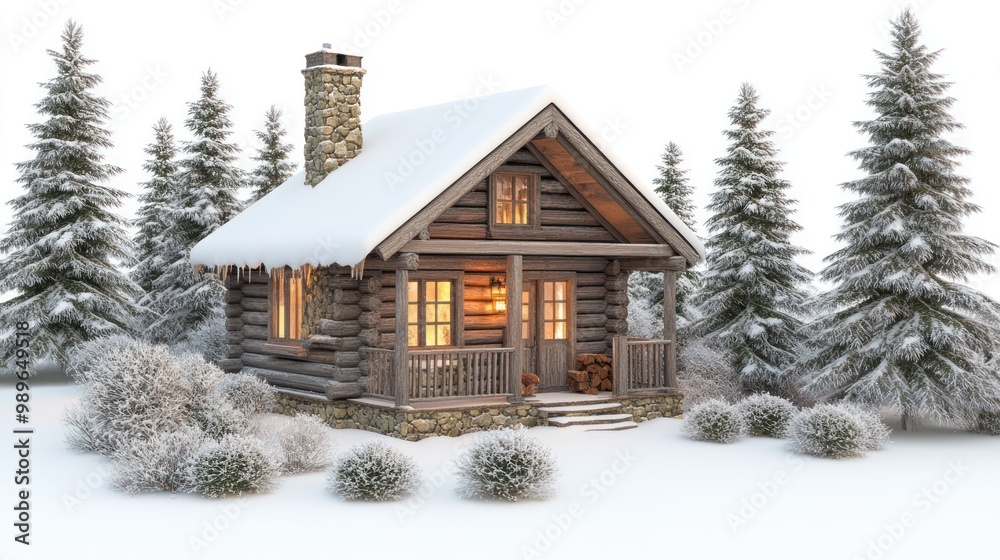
(420, 263)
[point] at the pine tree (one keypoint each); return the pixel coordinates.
(154, 249)
(274, 166)
(752, 289)
(207, 198)
(673, 187)
(65, 236)
(901, 331)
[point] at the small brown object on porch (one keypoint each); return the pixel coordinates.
(593, 374)
(529, 383)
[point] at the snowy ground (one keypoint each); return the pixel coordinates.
(643, 493)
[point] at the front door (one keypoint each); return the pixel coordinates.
(547, 330)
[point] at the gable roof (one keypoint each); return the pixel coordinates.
(409, 158)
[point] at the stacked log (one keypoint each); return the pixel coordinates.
(370, 304)
(593, 374)
(616, 300)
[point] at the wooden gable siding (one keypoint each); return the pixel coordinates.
(601, 304)
(562, 215)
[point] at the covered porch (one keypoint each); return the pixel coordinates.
(414, 377)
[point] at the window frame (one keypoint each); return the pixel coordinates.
(534, 201)
(457, 279)
(272, 338)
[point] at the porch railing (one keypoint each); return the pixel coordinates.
(641, 365)
(442, 373)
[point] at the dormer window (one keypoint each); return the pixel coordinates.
(513, 199)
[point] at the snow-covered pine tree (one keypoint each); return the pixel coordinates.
(274, 166)
(65, 237)
(901, 331)
(154, 249)
(673, 187)
(208, 185)
(752, 289)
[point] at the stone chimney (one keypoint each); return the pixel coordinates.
(333, 111)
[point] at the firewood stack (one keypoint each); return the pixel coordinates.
(593, 374)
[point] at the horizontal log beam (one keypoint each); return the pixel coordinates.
(555, 248)
(329, 371)
(323, 342)
(402, 261)
(655, 264)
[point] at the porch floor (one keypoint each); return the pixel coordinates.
(540, 399)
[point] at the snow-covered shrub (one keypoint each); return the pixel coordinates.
(217, 418)
(235, 465)
(305, 442)
(248, 393)
(766, 415)
(828, 430)
(156, 464)
(986, 423)
(132, 390)
(714, 420)
(876, 431)
(373, 471)
(83, 431)
(507, 464)
(703, 373)
(208, 340)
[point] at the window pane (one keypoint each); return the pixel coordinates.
(430, 340)
(525, 330)
(444, 291)
(504, 213)
(412, 313)
(560, 290)
(505, 187)
(443, 335)
(549, 312)
(561, 311)
(522, 186)
(560, 330)
(444, 313)
(429, 290)
(412, 291)
(549, 331)
(522, 214)
(412, 336)
(548, 291)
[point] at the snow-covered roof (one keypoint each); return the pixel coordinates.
(408, 159)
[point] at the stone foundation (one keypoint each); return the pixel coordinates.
(414, 425)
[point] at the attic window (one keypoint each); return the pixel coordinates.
(286, 305)
(513, 197)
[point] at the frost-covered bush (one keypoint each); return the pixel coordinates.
(248, 393)
(305, 442)
(986, 423)
(507, 464)
(132, 391)
(828, 430)
(703, 373)
(207, 340)
(876, 432)
(156, 464)
(217, 418)
(235, 465)
(714, 420)
(373, 471)
(766, 415)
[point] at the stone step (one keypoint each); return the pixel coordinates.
(579, 409)
(588, 420)
(614, 427)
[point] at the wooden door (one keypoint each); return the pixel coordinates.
(554, 327)
(529, 326)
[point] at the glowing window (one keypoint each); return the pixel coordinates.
(555, 309)
(512, 198)
(429, 313)
(286, 304)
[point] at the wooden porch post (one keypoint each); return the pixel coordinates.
(670, 324)
(619, 365)
(514, 281)
(400, 373)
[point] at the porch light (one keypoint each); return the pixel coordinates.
(499, 290)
